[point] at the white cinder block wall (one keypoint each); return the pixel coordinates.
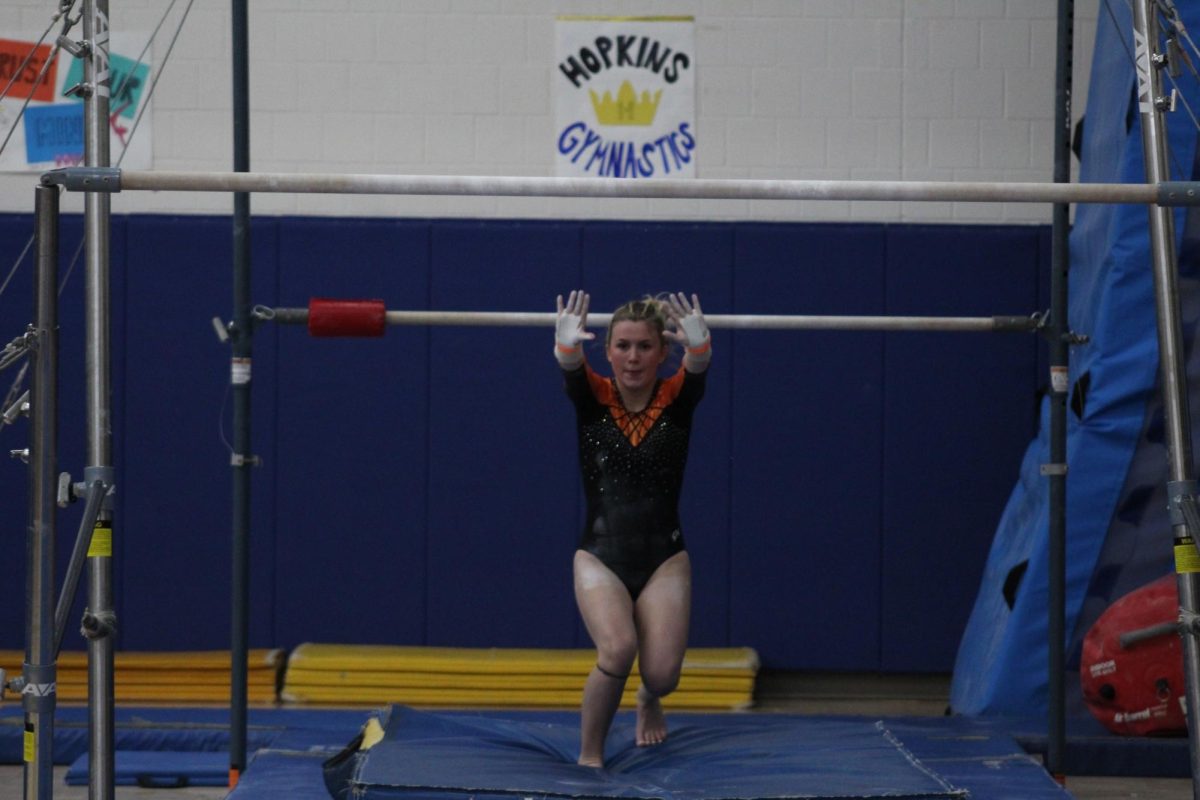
(821, 89)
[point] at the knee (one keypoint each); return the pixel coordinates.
(659, 681)
(617, 653)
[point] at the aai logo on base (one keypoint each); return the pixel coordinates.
(625, 97)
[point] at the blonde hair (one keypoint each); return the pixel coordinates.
(648, 309)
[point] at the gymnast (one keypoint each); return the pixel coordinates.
(632, 573)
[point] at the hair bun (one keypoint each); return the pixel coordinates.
(646, 309)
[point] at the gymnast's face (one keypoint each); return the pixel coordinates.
(635, 350)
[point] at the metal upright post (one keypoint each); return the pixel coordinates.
(99, 622)
(40, 692)
(1059, 329)
(240, 374)
(1173, 373)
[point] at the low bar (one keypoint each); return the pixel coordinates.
(1176, 193)
(517, 319)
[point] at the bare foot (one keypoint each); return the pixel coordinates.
(590, 761)
(651, 721)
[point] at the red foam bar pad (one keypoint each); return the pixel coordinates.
(328, 317)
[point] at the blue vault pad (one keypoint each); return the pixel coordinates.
(159, 769)
(435, 755)
(1091, 749)
(179, 729)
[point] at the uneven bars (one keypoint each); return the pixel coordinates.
(90, 179)
(736, 321)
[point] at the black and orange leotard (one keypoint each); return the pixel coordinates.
(632, 465)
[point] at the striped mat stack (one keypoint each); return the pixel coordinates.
(712, 678)
(184, 677)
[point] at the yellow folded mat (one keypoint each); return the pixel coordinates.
(480, 698)
(504, 661)
(429, 680)
(712, 678)
(170, 695)
(188, 676)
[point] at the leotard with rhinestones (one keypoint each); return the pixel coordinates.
(632, 465)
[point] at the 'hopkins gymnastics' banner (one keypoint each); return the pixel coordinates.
(625, 97)
(48, 123)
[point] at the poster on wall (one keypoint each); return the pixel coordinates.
(43, 122)
(625, 97)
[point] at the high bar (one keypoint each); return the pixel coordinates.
(113, 179)
(735, 321)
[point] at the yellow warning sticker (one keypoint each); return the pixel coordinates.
(29, 746)
(1187, 557)
(102, 536)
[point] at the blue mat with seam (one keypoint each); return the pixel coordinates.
(491, 755)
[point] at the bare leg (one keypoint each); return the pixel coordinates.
(663, 613)
(651, 720)
(607, 612)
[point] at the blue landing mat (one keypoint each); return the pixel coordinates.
(1090, 749)
(294, 774)
(289, 746)
(425, 755)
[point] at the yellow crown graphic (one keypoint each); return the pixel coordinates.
(627, 109)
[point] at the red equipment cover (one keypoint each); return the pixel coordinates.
(328, 317)
(1137, 689)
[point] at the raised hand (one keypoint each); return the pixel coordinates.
(570, 329)
(690, 330)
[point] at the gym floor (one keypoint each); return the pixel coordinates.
(866, 695)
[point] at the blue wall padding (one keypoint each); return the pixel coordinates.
(422, 488)
(502, 498)
(731, 756)
(1001, 664)
(980, 391)
(350, 498)
(173, 497)
(807, 436)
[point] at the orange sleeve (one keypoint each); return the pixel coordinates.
(669, 389)
(602, 388)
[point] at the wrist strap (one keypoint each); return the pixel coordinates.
(701, 348)
(568, 357)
